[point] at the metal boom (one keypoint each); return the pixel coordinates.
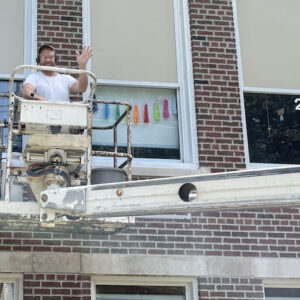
(233, 190)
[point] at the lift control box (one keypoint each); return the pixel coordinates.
(52, 117)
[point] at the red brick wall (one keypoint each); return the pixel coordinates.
(56, 287)
(218, 111)
(230, 288)
(262, 233)
(59, 23)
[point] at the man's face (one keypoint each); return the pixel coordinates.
(47, 58)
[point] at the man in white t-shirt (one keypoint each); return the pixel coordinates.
(50, 85)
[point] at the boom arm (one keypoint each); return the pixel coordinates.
(234, 190)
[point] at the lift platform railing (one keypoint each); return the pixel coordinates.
(90, 101)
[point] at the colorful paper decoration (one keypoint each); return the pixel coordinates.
(156, 112)
(166, 114)
(118, 114)
(106, 111)
(146, 115)
(136, 114)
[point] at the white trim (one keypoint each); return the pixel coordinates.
(186, 108)
(138, 83)
(190, 283)
(17, 279)
(271, 90)
(86, 37)
(30, 32)
(241, 83)
(281, 283)
(86, 23)
(4, 76)
(141, 166)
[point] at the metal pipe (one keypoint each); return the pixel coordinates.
(129, 167)
(4, 95)
(59, 70)
(115, 146)
(110, 154)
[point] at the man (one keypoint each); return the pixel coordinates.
(50, 85)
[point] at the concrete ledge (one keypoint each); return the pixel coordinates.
(277, 268)
(229, 266)
(57, 262)
(16, 262)
(172, 265)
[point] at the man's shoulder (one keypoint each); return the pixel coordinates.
(32, 77)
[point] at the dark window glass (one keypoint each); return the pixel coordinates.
(140, 290)
(119, 292)
(4, 108)
(282, 292)
(273, 128)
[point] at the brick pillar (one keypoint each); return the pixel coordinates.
(59, 23)
(218, 110)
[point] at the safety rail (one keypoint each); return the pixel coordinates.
(90, 101)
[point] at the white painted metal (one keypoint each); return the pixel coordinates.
(11, 112)
(37, 116)
(233, 190)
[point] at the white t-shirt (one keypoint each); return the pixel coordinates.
(54, 88)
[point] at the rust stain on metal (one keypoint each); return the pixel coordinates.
(119, 192)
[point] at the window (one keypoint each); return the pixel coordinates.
(4, 107)
(269, 80)
(11, 287)
(154, 117)
(281, 289)
(144, 287)
(273, 128)
(282, 293)
(117, 292)
(144, 59)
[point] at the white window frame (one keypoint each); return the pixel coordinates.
(281, 283)
(17, 280)
(245, 89)
(190, 283)
(185, 92)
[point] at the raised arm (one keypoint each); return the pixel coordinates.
(80, 85)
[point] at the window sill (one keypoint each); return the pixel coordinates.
(155, 167)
